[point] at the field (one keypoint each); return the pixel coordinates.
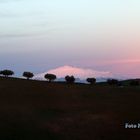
(37, 110)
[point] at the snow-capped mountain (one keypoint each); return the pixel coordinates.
(81, 73)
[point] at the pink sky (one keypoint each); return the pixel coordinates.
(127, 67)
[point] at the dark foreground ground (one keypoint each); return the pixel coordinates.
(33, 110)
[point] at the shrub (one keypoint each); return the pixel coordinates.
(70, 79)
(50, 77)
(28, 75)
(7, 73)
(91, 80)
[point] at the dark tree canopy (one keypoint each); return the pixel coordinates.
(112, 81)
(134, 83)
(0, 72)
(7, 73)
(70, 79)
(50, 77)
(91, 80)
(28, 75)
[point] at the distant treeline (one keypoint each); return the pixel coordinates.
(69, 79)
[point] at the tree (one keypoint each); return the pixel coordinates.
(70, 79)
(112, 81)
(28, 75)
(0, 72)
(134, 83)
(50, 77)
(6, 73)
(91, 80)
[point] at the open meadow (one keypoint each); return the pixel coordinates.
(38, 110)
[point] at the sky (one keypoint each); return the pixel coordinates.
(97, 34)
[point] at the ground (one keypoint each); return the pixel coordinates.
(37, 110)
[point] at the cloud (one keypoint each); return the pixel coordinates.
(34, 33)
(17, 35)
(20, 35)
(5, 1)
(128, 61)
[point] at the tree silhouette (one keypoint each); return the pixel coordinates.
(7, 73)
(134, 83)
(50, 77)
(28, 75)
(70, 79)
(112, 81)
(0, 72)
(91, 80)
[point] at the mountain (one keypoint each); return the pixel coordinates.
(81, 73)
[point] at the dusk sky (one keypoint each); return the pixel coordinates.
(38, 35)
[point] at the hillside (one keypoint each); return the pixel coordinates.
(35, 110)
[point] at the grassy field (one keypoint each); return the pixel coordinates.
(35, 110)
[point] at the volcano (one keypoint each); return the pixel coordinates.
(77, 72)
